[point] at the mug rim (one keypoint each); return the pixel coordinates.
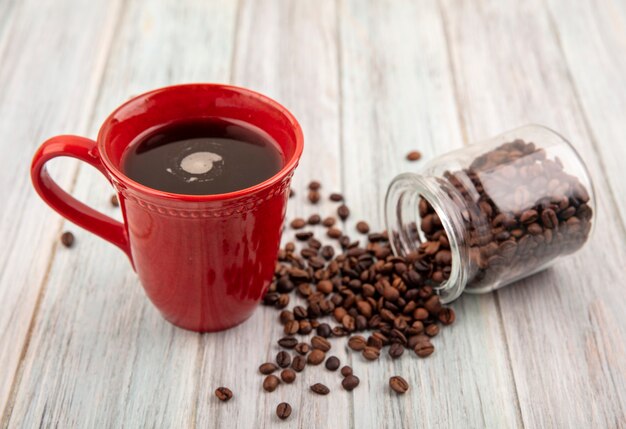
(289, 166)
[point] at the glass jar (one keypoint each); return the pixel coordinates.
(491, 213)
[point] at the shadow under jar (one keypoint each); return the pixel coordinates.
(491, 213)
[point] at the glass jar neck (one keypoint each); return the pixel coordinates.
(403, 220)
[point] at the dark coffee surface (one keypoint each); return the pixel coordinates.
(203, 157)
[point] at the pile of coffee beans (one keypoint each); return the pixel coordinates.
(509, 233)
(353, 288)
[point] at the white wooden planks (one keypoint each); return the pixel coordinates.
(100, 355)
(51, 64)
(398, 96)
(509, 71)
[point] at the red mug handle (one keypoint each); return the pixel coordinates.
(68, 206)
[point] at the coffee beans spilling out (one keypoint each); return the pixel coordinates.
(509, 233)
(354, 289)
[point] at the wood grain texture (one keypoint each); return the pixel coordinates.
(398, 96)
(51, 64)
(100, 355)
(562, 326)
(592, 38)
(81, 345)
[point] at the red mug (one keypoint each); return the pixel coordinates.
(205, 261)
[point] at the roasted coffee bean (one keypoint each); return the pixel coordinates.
(336, 197)
(283, 359)
(332, 363)
(320, 343)
(270, 383)
(298, 223)
(371, 353)
(446, 316)
(114, 201)
(324, 330)
(283, 410)
(325, 286)
(314, 185)
(362, 227)
(304, 236)
(224, 394)
(314, 219)
(282, 302)
(414, 155)
(302, 348)
(288, 342)
(433, 305)
(333, 232)
(320, 389)
(67, 239)
(288, 375)
(396, 350)
(267, 368)
(431, 330)
(313, 197)
(329, 221)
(305, 327)
(327, 252)
(343, 212)
(350, 382)
(346, 370)
(398, 384)
(291, 327)
(424, 348)
(286, 316)
(316, 357)
(298, 363)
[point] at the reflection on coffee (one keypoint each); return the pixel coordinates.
(203, 157)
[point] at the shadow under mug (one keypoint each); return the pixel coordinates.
(205, 261)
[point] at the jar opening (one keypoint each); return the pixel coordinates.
(404, 224)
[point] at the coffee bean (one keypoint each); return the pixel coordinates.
(298, 363)
(414, 155)
(329, 222)
(314, 219)
(424, 349)
(327, 252)
(324, 330)
(314, 185)
(304, 236)
(396, 350)
(549, 219)
(224, 394)
(398, 384)
(350, 382)
(332, 363)
(333, 232)
(288, 342)
(288, 375)
(283, 359)
(320, 343)
(298, 223)
(320, 389)
(362, 227)
(114, 201)
(325, 286)
(313, 197)
(270, 383)
(529, 216)
(336, 197)
(371, 353)
(283, 410)
(267, 368)
(433, 304)
(305, 327)
(316, 357)
(343, 212)
(67, 239)
(431, 330)
(446, 316)
(291, 327)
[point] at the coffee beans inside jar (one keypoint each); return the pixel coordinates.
(492, 213)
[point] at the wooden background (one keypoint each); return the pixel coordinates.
(82, 347)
